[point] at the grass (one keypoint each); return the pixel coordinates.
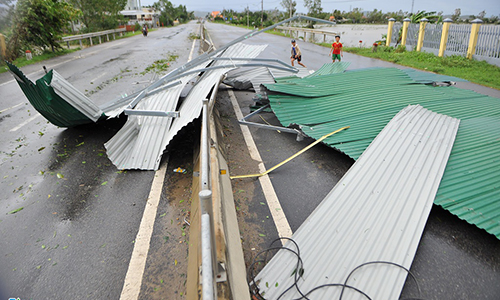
(22, 61)
(476, 71)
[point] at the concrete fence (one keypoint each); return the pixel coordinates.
(91, 35)
(308, 34)
(474, 40)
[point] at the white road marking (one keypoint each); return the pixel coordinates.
(12, 107)
(24, 123)
(192, 49)
(133, 279)
(66, 61)
(279, 217)
(93, 80)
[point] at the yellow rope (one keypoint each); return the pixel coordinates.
(291, 157)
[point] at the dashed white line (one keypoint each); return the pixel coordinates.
(9, 108)
(280, 220)
(24, 123)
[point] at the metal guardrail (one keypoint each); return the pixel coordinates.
(208, 246)
(207, 222)
(89, 36)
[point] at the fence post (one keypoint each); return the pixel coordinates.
(473, 37)
(421, 34)
(406, 23)
(389, 32)
(444, 36)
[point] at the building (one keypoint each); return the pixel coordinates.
(135, 13)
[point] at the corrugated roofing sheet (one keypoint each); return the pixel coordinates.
(142, 140)
(42, 96)
(366, 100)
(376, 212)
(74, 97)
(427, 77)
(331, 68)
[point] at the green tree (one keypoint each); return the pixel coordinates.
(289, 6)
(169, 13)
(314, 7)
(39, 23)
(5, 14)
(100, 15)
(456, 15)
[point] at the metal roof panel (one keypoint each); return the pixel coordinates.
(376, 212)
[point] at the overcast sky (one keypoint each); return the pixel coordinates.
(468, 7)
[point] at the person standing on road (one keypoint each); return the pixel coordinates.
(336, 51)
(296, 54)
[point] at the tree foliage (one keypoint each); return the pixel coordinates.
(169, 13)
(98, 15)
(39, 23)
(314, 7)
(456, 15)
(289, 5)
(5, 14)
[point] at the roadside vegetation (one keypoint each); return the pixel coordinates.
(37, 26)
(475, 71)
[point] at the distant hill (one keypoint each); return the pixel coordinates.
(201, 14)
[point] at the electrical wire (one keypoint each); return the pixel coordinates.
(299, 271)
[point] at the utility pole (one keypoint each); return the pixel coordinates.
(412, 2)
(248, 22)
(290, 7)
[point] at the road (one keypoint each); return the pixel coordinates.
(455, 260)
(68, 217)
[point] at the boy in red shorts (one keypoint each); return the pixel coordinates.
(336, 51)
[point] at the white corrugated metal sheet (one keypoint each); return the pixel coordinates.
(303, 72)
(142, 140)
(74, 97)
(376, 212)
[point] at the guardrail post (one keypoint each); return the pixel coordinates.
(67, 44)
(107, 37)
(100, 42)
(406, 23)
(421, 34)
(90, 41)
(3, 48)
(389, 32)
(81, 45)
(114, 36)
(476, 24)
(444, 36)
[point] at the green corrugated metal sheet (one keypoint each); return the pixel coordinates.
(367, 100)
(330, 68)
(427, 77)
(47, 102)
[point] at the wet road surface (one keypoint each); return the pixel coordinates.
(68, 217)
(455, 260)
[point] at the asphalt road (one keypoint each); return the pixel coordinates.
(68, 217)
(455, 260)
